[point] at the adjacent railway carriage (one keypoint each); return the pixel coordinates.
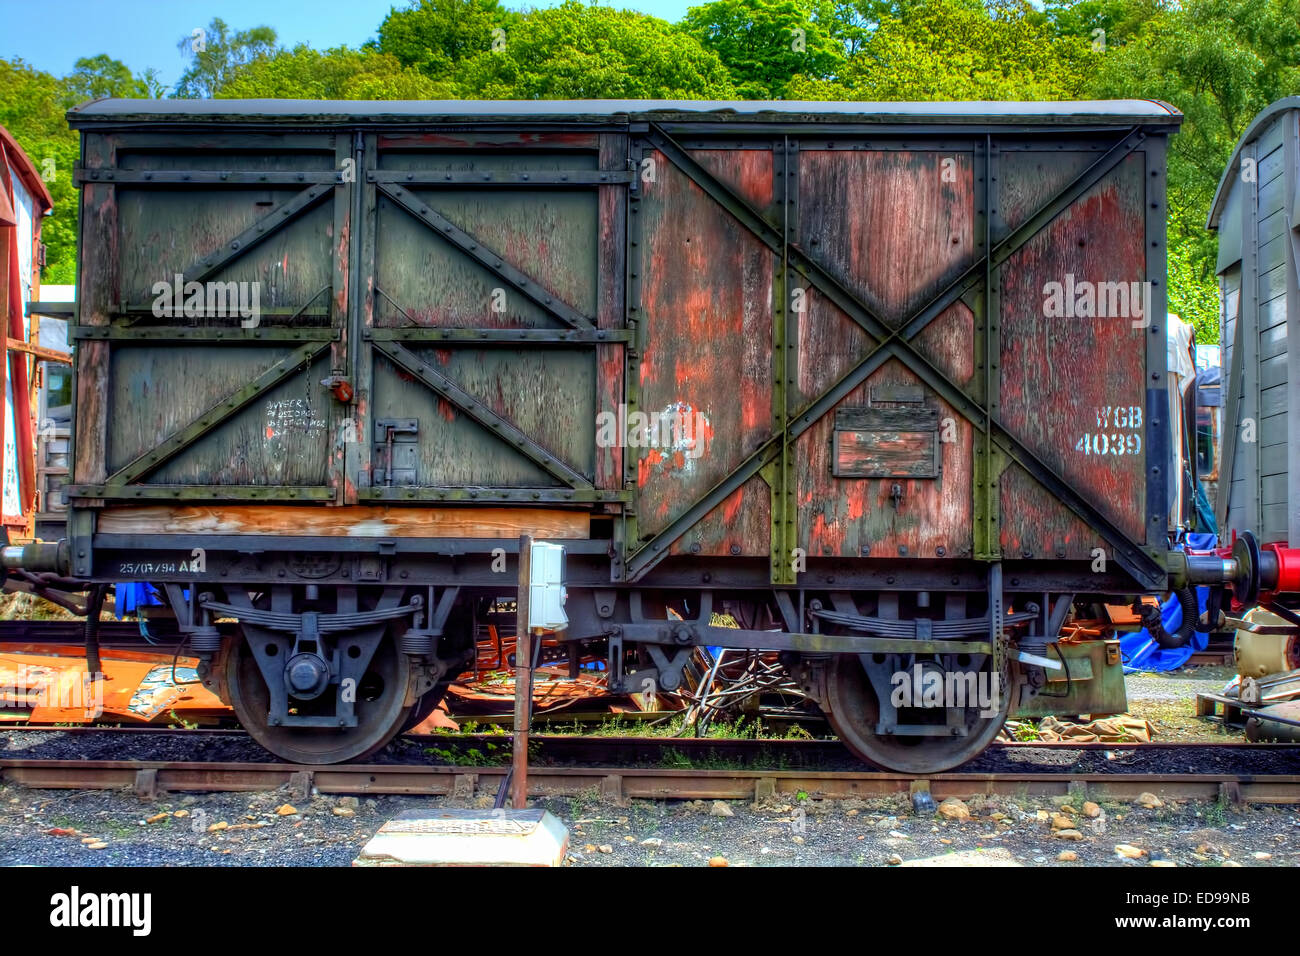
(1256, 213)
(884, 382)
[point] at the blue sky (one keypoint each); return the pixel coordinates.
(53, 34)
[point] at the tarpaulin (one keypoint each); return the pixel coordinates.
(1140, 651)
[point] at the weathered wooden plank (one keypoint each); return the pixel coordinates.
(1272, 401)
(1273, 490)
(1271, 166)
(1273, 252)
(1273, 427)
(1272, 197)
(351, 521)
(474, 140)
(1085, 419)
(100, 286)
(610, 304)
(847, 517)
(1272, 371)
(707, 307)
(895, 227)
(1271, 137)
(1272, 458)
(1273, 340)
(1272, 284)
(885, 454)
(1035, 524)
(166, 232)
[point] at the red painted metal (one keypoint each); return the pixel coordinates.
(15, 165)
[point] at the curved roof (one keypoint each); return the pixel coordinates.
(1230, 171)
(1105, 112)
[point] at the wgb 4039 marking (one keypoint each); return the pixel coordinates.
(1126, 442)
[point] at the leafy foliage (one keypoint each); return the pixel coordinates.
(766, 43)
(589, 52)
(31, 108)
(435, 36)
(338, 74)
(219, 53)
(1220, 62)
(959, 50)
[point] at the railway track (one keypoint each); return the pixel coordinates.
(636, 748)
(150, 778)
(654, 767)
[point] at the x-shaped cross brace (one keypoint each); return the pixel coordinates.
(897, 343)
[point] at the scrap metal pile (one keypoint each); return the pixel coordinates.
(1265, 694)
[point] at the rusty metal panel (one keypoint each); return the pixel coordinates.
(1073, 379)
(894, 226)
(707, 334)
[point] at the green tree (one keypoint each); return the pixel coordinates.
(96, 77)
(433, 36)
(766, 43)
(31, 108)
(1117, 20)
(1220, 62)
(218, 53)
(575, 51)
(338, 74)
(959, 50)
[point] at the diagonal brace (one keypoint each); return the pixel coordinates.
(268, 225)
(485, 257)
(471, 406)
(208, 420)
(895, 343)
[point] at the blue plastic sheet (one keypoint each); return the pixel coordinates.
(131, 596)
(1139, 650)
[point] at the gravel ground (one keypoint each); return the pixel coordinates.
(1168, 701)
(106, 828)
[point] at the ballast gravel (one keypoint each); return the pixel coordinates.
(116, 828)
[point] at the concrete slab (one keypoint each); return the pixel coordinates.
(468, 838)
(993, 856)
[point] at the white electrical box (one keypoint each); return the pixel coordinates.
(546, 591)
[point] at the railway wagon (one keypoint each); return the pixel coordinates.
(1256, 213)
(882, 382)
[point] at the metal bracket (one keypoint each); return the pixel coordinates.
(396, 453)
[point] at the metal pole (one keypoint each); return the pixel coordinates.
(523, 679)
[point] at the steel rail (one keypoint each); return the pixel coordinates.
(149, 778)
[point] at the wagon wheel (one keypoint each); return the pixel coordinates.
(853, 710)
(379, 709)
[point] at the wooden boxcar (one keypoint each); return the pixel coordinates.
(1256, 213)
(882, 381)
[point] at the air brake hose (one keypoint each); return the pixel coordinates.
(1151, 620)
(94, 604)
